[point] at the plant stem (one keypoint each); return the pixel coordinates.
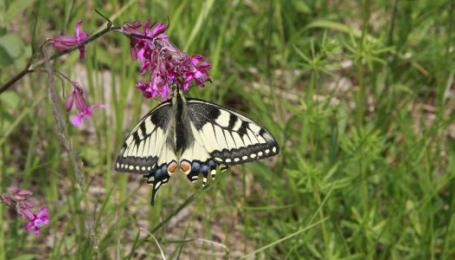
(61, 123)
(361, 97)
(361, 104)
(322, 218)
(2, 235)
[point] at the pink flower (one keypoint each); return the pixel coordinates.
(164, 64)
(156, 87)
(156, 31)
(18, 199)
(15, 194)
(64, 42)
(24, 209)
(77, 119)
(37, 221)
(78, 100)
(198, 72)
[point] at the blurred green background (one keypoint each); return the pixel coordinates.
(358, 93)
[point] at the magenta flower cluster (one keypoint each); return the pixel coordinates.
(77, 100)
(19, 200)
(161, 63)
(164, 63)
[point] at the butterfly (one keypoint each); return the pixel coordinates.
(194, 137)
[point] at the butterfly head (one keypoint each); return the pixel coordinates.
(175, 91)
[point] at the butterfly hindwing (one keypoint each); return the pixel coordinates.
(223, 137)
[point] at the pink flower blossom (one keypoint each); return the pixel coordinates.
(64, 42)
(198, 72)
(15, 194)
(18, 199)
(164, 63)
(37, 221)
(78, 100)
(77, 119)
(24, 209)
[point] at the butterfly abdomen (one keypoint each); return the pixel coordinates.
(183, 137)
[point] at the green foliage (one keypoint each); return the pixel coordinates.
(359, 94)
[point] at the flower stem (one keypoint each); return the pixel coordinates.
(2, 235)
(362, 104)
(61, 123)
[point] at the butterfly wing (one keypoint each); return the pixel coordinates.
(146, 149)
(223, 137)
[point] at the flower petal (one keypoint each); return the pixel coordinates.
(80, 35)
(64, 42)
(158, 29)
(43, 213)
(69, 103)
(29, 226)
(82, 52)
(132, 27)
(77, 120)
(6, 199)
(25, 212)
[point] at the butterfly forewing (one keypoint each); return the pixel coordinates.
(140, 152)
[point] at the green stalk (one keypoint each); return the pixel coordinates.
(451, 226)
(322, 219)
(314, 76)
(360, 67)
(313, 109)
(2, 237)
(361, 103)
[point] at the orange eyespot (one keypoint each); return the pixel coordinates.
(185, 167)
(171, 168)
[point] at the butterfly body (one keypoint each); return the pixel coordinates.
(194, 137)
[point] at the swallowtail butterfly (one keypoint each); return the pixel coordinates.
(194, 137)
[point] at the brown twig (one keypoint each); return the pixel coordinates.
(32, 66)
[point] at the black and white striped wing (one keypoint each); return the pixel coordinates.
(224, 137)
(146, 150)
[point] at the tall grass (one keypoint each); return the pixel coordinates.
(359, 95)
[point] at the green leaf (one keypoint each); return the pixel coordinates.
(14, 9)
(5, 59)
(14, 51)
(301, 6)
(2, 12)
(9, 100)
(25, 257)
(12, 44)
